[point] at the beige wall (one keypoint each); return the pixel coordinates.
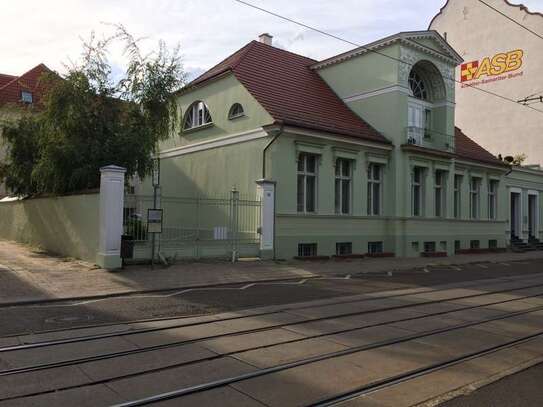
(476, 31)
(65, 225)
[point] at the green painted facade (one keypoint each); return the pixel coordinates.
(212, 159)
(66, 225)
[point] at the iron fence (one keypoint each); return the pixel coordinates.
(195, 227)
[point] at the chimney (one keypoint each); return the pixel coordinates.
(265, 38)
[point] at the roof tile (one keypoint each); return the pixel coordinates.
(283, 83)
(468, 149)
(10, 91)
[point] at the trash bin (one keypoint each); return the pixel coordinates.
(127, 247)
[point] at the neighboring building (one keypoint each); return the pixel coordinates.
(500, 57)
(363, 149)
(18, 92)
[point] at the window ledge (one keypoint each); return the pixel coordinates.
(202, 127)
(238, 116)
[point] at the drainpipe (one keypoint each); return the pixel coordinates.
(275, 137)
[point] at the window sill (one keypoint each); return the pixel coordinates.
(193, 129)
(239, 116)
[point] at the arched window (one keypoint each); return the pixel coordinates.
(197, 115)
(236, 111)
(418, 85)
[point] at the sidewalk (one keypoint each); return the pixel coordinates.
(30, 276)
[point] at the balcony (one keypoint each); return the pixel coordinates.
(431, 139)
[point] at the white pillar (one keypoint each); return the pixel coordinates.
(111, 216)
(266, 192)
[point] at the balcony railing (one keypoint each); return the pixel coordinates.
(427, 138)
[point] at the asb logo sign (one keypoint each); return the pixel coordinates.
(490, 67)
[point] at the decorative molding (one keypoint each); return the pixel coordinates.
(479, 164)
(377, 92)
(402, 38)
(296, 131)
(215, 143)
(372, 158)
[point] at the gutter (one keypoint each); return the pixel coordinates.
(275, 137)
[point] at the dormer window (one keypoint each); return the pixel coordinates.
(236, 111)
(26, 97)
(197, 115)
(417, 85)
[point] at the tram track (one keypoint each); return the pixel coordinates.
(182, 392)
(210, 319)
(114, 355)
(443, 287)
(416, 373)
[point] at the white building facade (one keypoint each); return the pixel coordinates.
(503, 58)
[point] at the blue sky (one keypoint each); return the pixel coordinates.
(207, 30)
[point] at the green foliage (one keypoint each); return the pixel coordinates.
(519, 159)
(87, 121)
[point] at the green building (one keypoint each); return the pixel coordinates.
(360, 150)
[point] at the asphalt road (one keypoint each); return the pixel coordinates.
(519, 390)
(25, 319)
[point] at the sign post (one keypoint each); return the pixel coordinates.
(156, 190)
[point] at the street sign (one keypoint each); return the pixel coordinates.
(154, 220)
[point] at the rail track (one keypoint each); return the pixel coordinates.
(211, 319)
(203, 387)
(343, 397)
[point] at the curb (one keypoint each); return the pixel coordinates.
(138, 292)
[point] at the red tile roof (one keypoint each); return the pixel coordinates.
(283, 83)
(4, 79)
(12, 86)
(468, 149)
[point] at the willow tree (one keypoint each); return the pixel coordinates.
(89, 119)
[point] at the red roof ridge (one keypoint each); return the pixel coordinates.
(15, 78)
(467, 148)
(10, 92)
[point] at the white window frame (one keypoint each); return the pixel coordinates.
(475, 198)
(232, 115)
(493, 199)
(306, 175)
(28, 100)
(440, 188)
(198, 115)
(457, 196)
(420, 186)
(341, 179)
(372, 182)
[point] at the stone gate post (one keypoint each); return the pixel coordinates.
(266, 192)
(111, 216)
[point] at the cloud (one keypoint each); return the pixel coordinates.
(207, 30)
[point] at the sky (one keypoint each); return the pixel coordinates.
(207, 31)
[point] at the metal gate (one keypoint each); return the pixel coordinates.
(194, 227)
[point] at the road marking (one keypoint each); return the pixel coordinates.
(426, 270)
(482, 266)
(505, 264)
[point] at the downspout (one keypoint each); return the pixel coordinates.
(279, 132)
(275, 137)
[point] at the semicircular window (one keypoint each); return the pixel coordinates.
(197, 115)
(236, 111)
(417, 85)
